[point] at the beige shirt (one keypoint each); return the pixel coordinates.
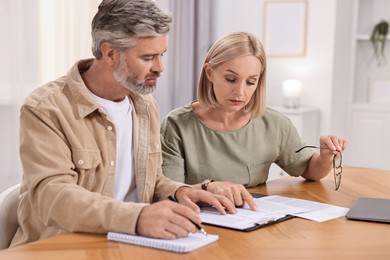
(68, 150)
(193, 152)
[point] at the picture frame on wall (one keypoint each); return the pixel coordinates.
(285, 25)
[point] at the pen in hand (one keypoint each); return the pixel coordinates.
(196, 225)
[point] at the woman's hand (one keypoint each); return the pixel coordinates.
(320, 164)
(236, 193)
(189, 196)
(333, 145)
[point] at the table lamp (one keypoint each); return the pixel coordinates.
(292, 93)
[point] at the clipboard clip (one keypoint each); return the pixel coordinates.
(266, 221)
(269, 221)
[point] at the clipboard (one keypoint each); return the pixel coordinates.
(254, 225)
(268, 223)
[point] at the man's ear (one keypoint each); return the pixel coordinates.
(109, 54)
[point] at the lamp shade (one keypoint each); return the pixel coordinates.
(292, 89)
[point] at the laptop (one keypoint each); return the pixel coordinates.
(370, 209)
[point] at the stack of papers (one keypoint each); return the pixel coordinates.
(272, 209)
(314, 210)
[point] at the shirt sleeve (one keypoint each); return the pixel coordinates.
(291, 162)
(173, 165)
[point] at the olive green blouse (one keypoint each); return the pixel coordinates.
(192, 152)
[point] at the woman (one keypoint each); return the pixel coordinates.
(227, 139)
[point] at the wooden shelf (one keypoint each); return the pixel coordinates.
(366, 37)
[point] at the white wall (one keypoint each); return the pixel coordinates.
(18, 69)
(342, 65)
(315, 69)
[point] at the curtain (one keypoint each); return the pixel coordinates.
(188, 41)
(41, 39)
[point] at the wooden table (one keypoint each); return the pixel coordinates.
(293, 239)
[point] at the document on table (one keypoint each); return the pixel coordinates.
(271, 209)
(245, 219)
(314, 210)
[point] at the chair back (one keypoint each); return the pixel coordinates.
(9, 201)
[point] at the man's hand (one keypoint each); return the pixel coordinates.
(167, 219)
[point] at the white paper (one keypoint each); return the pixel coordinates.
(272, 208)
(315, 210)
(245, 217)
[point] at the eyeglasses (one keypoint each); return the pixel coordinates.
(337, 165)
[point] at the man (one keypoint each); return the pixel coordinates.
(90, 141)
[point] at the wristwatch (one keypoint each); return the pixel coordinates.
(206, 183)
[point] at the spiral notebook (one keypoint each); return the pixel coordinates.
(180, 245)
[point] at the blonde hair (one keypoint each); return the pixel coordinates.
(231, 46)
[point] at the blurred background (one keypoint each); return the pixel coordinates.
(338, 84)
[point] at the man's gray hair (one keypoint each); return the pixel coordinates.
(121, 22)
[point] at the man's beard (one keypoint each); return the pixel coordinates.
(129, 80)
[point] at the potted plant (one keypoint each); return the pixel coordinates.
(378, 40)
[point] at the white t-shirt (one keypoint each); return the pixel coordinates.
(120, 114)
